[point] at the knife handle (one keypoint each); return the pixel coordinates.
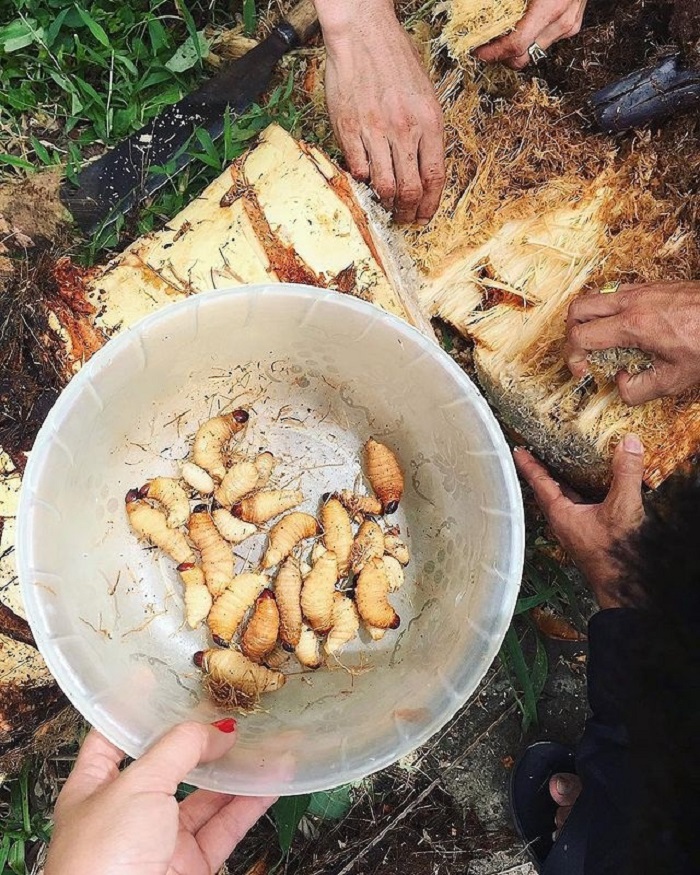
(303, 19)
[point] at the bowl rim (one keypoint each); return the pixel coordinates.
(101, 359)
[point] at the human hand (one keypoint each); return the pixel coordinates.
(545, 22)
(130, 823)
(383, 107)
(590, 532)
(662, 319)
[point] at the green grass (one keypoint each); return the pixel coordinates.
(24, 822)
(80, 74)
(523, 653)
(79, 77)
(288, 811)
(209, 158)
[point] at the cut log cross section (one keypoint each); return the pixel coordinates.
(285, 213)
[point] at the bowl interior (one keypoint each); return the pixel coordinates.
(319, 372)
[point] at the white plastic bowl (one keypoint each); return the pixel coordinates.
(320, 372)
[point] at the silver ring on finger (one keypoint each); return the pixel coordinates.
(536, 53)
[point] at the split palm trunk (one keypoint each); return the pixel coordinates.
(501, 271)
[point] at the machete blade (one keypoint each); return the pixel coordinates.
(124, 176)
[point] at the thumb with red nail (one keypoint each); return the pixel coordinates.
(129, 822)
(590, 532)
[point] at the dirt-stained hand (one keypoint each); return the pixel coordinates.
(662, 319)
(544, 23)
(383, 107)
(129, 823)
(589, 532)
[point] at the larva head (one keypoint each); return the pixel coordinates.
(198, 658)
(396, 622)
(265, 595)
(241, 416)
(143, 491)
(237, 509)
(132, 495)
(220, 641)
(326, 496)
(200, 508)
(391, 507)
(185, 566)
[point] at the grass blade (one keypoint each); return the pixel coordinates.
(249, 17)
(191, 28)
(4, 851)
(330, 804)
(24, 795)
(13, 161)
(95, 29)
(566, 587)
(526, 603)
(287, 812)
(515, 660)
(540, 667)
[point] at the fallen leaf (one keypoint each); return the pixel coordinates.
(554, 626)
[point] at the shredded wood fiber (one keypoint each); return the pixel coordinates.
(536, 212)
(473, 23)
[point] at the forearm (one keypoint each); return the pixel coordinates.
(339, 17)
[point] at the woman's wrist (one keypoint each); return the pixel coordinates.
(338, 18)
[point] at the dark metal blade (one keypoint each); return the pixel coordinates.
(648, 95)
(112, 184)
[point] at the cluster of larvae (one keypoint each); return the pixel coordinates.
(286, 605)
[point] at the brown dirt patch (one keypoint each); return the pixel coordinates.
(33, 206)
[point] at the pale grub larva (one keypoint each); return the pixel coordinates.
(337, 533)
(368, 544)
(217, 558)
(260, 635)
(371, 597)
(394, 572)
(212, 438)
(230, 607)
(317, 593)
(168, 492)
(345, 623)
(286, 534)
(265, 464)
(240, 480)
(288, 593)
(196, 477)
(230, 528)
(394, 546)
(308, 650)
(150, 524)
(384, 474)
(264, 506)
(359, 506)
(198, 600)
(233, 681)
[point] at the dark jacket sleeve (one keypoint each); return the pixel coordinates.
(595, 838)
(603, 758)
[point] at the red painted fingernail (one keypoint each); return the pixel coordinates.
(228, 725)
